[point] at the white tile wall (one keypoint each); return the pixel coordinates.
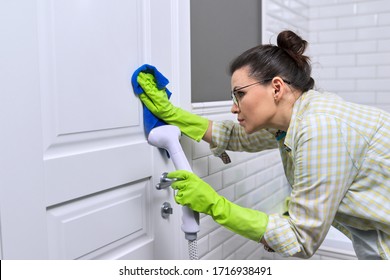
(282, 14)
(350, 50)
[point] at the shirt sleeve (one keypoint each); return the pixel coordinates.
(323, 172)
(227, 135)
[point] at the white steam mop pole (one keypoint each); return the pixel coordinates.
(167, 137)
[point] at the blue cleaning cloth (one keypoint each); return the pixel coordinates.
(150, 120)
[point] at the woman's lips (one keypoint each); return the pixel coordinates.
(241, 121)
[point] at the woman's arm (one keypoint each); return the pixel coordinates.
(209, 133)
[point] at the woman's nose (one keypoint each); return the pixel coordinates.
(235, 109)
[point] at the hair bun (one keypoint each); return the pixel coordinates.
(285, 60)
(294, 45)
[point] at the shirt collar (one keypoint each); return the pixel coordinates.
(298, 110)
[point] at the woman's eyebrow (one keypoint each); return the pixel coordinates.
(237, 87)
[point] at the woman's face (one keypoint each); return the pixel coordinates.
(256, 105)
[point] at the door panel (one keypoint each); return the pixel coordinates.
(72, 176)
(88, 49)
(82, 226)
(92, 125)
(81, 183)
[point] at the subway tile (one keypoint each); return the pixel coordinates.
(263, 177)
(337, 35)
(323, 24)
(200, 166)
(203, 246)
(231, 257)
(373, 59)
(200, 149)
(351, 1)
(216, 164)
(337, 86)
(383, 97)
(372, 84)
(232, 245)
(272, 157)
(248, 248)
(320, 73)
(245, 186)
(298, 5)
(293, 16)
(255, 165)
(274, 7)
(357, 21)
(384, 18)
(357, 47)
(266, 205)
(228, 193)
(322, 48)
(315, 3)
(280, 195)
(215, 254)
(314, 12)
(207, 225)
(239, 157)
(278, 170)
(271, 188)
(234, 174)
(372, 7)
(384, 107)
(378, 32)
(214, 180)
(337, 60)
(312, 38)
(384, 45)
(359, 97)
(337, 10)
(357, 72)
(383, 71)
(259, 194)
(218, 237)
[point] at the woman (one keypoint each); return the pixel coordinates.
(336, 155)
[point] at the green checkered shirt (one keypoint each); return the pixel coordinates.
(336, 157)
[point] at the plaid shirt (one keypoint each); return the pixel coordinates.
(336, 156)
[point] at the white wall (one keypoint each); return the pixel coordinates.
(350, 49)
(279, 15)
(349, 44)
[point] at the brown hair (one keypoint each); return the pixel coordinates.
(285, 60)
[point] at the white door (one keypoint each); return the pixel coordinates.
(77, 175)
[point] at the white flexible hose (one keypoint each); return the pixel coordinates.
(193, 249)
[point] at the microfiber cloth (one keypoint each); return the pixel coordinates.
(150, 120)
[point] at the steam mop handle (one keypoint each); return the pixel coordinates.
(190, 225)
(190, 219)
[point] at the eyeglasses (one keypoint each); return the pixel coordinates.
(237, 94)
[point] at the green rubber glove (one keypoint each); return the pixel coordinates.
(201, 197)
(157, 102)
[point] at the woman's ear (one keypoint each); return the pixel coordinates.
(277, 84)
